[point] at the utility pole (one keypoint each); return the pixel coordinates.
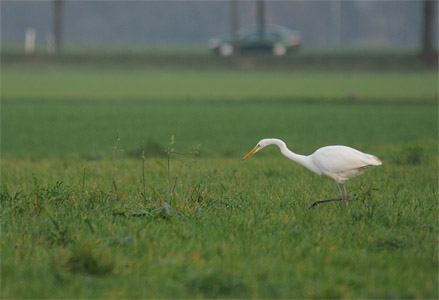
(428, 50)
(58, 24)
(234, 26)
(260, 15)
(336, 21)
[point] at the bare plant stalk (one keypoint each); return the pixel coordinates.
(36, 202)
(115, 187)
(169, 172)
(115, 162)
(173, 190)
(83, 184)
(143, 175)
(37, 191)
(169, 151)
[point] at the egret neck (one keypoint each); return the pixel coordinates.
(303, 160)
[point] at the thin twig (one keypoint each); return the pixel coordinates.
(83, 184)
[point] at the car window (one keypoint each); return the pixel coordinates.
(251, 37)
(273, 36)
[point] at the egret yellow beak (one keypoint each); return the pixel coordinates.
(251, 153)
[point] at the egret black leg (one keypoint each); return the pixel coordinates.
(340, 197)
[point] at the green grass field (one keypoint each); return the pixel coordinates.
(84, 216)
(140, 83)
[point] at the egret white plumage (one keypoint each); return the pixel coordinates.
(340, 163)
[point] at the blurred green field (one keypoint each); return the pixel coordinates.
(45, 129)
(83, 216)
(128, 83)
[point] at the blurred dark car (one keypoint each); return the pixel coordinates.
(270, 38)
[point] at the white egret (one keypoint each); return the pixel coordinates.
(340, 163)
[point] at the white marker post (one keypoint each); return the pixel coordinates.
(29, 41)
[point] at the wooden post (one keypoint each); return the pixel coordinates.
(58, 24)
(260, 16)
(234, 26)
(428, 50)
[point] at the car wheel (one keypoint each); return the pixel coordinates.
(279, 49)
(226, 50)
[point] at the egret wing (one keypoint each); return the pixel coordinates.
(336, 159)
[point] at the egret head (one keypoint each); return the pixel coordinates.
(262, 143)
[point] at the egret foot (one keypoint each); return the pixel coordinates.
(341, 197)
(324, 201)
(329, 200)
